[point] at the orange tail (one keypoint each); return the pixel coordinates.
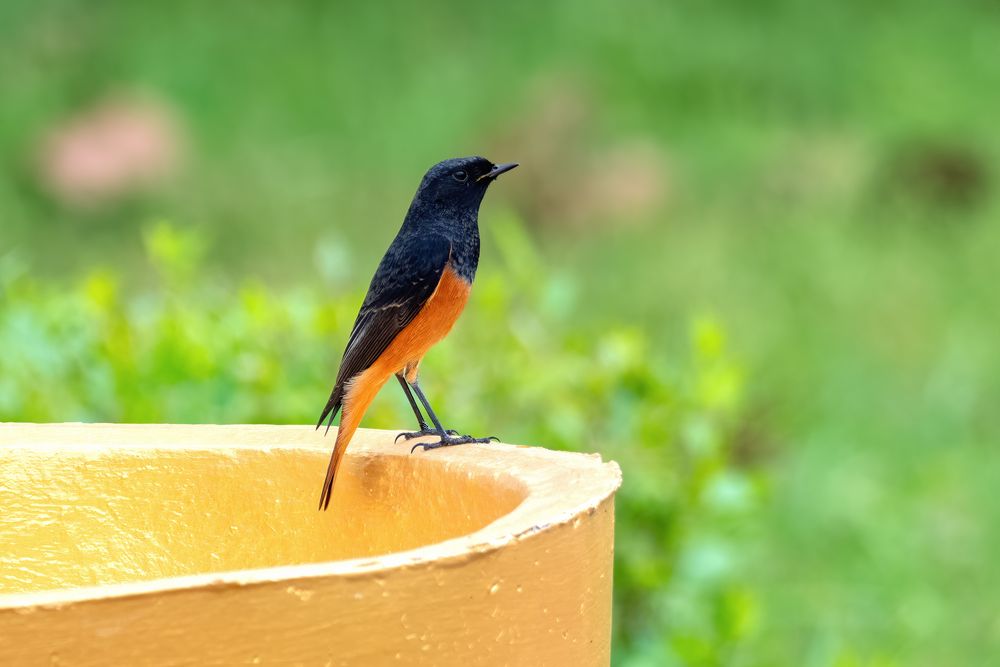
(360, 393)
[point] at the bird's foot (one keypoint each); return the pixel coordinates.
(422, 432)
(450, 440)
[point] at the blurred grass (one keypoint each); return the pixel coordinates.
(828, 195)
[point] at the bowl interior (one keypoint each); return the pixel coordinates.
(93, 516)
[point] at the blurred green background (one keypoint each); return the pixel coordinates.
(751, 254)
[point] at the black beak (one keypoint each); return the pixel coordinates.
(497, 170)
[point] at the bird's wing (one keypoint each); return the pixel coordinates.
(405, 279)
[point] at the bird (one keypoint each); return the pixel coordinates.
(417, 293)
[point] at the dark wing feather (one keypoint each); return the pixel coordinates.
(405, 279)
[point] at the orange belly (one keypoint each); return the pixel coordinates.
(431, 324)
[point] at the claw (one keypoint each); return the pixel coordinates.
(449, 440)
(418, 434)
(424, 432)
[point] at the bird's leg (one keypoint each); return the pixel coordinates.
(421, 422)
(413, 404)
(427, 406)
(448, 438)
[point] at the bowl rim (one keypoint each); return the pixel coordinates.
(560, 486)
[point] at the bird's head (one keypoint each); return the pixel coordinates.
(459, 182)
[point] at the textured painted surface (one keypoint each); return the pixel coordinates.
(484, 555)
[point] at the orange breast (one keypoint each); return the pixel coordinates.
(431, 324)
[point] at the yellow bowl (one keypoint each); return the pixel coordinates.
(162, 544)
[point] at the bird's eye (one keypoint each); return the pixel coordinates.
(461, 176)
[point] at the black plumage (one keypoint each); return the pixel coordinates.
(439, 233)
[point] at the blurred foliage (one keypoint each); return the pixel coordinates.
(181, 353)
(810, 471)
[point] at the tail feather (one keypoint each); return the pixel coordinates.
(348, 424)
(331, 473)
(355, 398)
(331, 409)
